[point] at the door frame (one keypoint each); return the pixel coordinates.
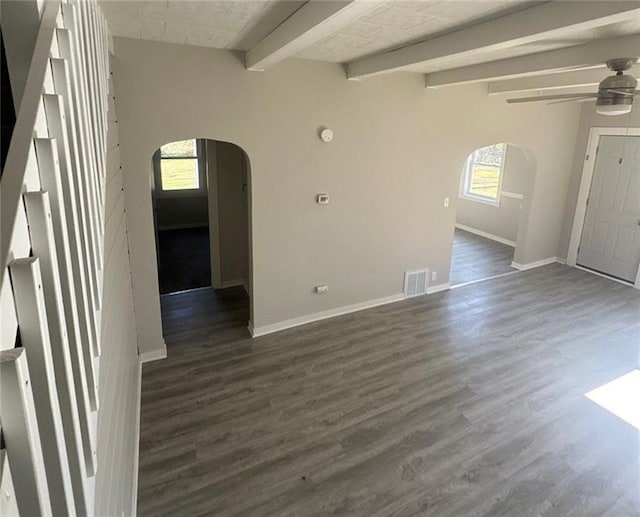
(585, 188)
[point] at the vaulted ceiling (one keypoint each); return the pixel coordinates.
(516, 45)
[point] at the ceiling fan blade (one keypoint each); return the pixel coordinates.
(620, 92)
(579, 99)
(554, 97)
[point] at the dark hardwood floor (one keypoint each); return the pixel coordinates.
(468, 402)
(184, 259)
(205, 315)
(475, 258)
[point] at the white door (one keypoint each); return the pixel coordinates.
(611, 236)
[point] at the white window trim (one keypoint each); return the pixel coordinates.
(202, 173)
(466, 180)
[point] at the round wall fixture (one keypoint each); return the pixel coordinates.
(326, 135)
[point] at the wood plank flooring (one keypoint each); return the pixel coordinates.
(464, 403)
(205, 314)
(475, 258)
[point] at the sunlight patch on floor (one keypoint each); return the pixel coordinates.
(621, 397)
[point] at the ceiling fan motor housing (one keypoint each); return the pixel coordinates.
(616, 92)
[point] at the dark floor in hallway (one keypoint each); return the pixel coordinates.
(216, 315)
(476, 258)
(184, 260)
(468, 402)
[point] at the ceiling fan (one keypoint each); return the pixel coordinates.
(615, 93)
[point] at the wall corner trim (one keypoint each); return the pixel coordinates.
(486, 235)
(318, 316)
(438, 288)
(154, 355)
(537, 263)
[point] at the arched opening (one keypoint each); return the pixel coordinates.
(202, 219)
(494, 197)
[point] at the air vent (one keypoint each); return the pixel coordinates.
(415, 283)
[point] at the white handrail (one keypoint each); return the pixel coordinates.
(13, 177)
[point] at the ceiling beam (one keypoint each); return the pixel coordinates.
(549, 20)
(560, 80)
(313, 21)
(588, 55)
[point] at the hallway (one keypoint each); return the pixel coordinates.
(476, 258)
(214, 316)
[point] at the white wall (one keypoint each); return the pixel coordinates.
(502, 220)
(120, 375)
(588, 119)
(233, 223)
(397, 152)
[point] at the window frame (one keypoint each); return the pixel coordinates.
(467, 178)
(202, 171)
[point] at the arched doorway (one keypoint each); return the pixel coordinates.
(495, 189)
(201, 204)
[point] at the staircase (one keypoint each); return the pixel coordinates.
(52, 196)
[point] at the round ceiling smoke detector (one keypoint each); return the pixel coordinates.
(326, 135)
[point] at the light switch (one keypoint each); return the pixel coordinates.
(323, 199)
(446, 202)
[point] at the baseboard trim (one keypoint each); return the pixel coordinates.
(238, 282)
(537, 263)
(318, 316)
(136, 445)
(486, 235)
(438, 288)
(153, 355)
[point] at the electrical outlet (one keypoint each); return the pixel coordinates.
(434, 276)
(321, 289)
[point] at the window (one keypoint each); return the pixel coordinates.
(482, 174)
(179, 166)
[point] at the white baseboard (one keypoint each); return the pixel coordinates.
(136, 444)
(537, 263)
(438, 288)
(486, 235)
(154, 355)
(560, 260)
(238, 282)
(310, 318)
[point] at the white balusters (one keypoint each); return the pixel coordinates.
(43, 247)
(34, 334)
(54, 186)
(20, 428)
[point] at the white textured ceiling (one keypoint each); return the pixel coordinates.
(392, 23)
(234, 25)
(387, 24)
(240, 24)
(570, 38)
